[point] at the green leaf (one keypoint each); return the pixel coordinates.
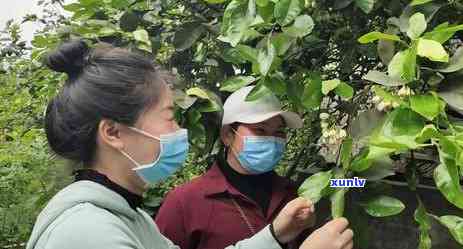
(365, 5)
(399, 130)
(129, 21)
(422, 217)
(250, 35)
(442, 32)
(187, 35)
(406, 122)
(89, 3)
(424, 222)
(432, 50)
(235, 7)
(235, 83)
(403, 65)
(329, 85)
(73, 7)
(428, 132)
(248, 53)
(232, 55)
(265, 58)
(337, 202)
(236, 21)
(198, 92)
(286, 11)
(455, 62)
(419, 2)
(141, 36)
(302, 26)
(344, 90)
(386, 95)
(312, 188)
(106, 31)
(282, 43)
(386, 50)
(183, 100)
(382, 78)
(262, 3)
(379, 168)
(452, 93)
(215, 1)
(383, 206)
(258, 91)
(276, 83)
(455, 226)
(120, 4)
(295, 89)
(417, 25)
(209, 102)
(312, 95)
(375, 35)
(201, 52)
(449, 149)
(369, 156)
(427, 105)
(447, 181)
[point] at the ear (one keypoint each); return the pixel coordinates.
(227, 135)
(109, 133)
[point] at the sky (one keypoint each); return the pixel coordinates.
(16, 9)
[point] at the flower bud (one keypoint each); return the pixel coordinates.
(342, 133)
(324, 116)
(376, 99)
(380, 106)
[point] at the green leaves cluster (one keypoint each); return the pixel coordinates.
(303, 52)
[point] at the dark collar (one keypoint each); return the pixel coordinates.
(134, 200)
(239, 180)
(217, 183)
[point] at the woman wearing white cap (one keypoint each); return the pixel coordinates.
(241, 194)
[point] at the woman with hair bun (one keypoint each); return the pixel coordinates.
(114, 115)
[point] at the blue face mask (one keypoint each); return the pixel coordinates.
(261, 154)
(173, 153)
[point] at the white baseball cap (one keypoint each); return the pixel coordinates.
(237, 109)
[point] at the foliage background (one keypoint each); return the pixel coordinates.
(307, 52)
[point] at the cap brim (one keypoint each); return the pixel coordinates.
(292, 119)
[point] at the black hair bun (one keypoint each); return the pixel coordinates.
(68, 58)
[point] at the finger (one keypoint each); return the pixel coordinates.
(337, 225)
(305, 214)
(294, 206)
(350, 245)
(346, 237)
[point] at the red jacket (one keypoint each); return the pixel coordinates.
(200, 213)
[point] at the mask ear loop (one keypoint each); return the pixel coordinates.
(236, 154)
(144, 133)
(150, 136)
(137, 166)
(130, 158)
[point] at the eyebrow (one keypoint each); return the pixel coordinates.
(282, 126)
(169, 108)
